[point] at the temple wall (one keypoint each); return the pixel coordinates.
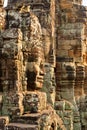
(43, 65)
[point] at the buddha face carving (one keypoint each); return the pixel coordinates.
(32, 50)
(34, 71)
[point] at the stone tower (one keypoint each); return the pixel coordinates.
(43, 65)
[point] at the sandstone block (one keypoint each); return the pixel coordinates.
(31, 118)
(12, 33)
(19, 126)
(4, 120)
(12, 104)
(33, 102)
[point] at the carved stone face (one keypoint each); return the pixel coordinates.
(34, 55)
(35, 74)
(31, 44)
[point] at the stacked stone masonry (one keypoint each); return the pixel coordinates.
(43, 65)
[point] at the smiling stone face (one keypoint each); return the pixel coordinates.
(32, 48)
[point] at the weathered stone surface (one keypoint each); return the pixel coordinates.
(3, 121)
(33, 102)
(43, 63)
(19, 126)
(12, 104)
(29, 118)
